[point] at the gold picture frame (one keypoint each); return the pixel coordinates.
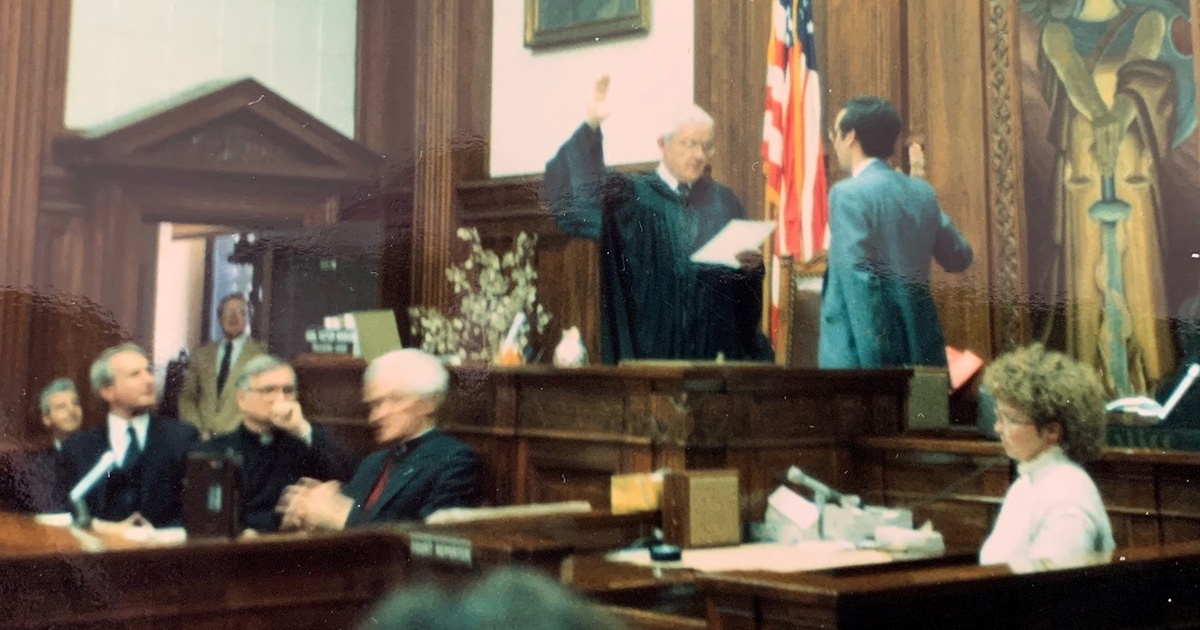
(550, 23)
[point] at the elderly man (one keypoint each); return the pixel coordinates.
(655, 303)
(151, 452)
(419, 470)
(277, 444)
(29, 479)
(206, 399)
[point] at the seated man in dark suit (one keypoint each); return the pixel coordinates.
(277, 444)
(30, 478)
(151, 452)
(419, 470)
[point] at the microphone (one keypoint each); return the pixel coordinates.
(799, 478)
(85, 485)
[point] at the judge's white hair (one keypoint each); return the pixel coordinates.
(688, 115)
(412, 372)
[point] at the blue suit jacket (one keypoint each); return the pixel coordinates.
(876, 307)
(162, 466)
(436, 472)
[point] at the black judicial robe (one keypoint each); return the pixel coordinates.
(654, 302)
(267, 469)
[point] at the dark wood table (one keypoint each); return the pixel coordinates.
(1149, 587)
(52, 578)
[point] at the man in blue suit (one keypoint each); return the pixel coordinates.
(885, 227)
(151, 451)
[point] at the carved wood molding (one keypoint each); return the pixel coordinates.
(1005, 187)
(436, 108)
(503, 206)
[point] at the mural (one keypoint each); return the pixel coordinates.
(1112, 182)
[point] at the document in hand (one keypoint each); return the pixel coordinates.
(736, 237)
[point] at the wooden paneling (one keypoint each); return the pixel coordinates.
(436, 111)
(1006, 192)
(1148, 494)
(946, 111)
(730, 74)
(861, 47)
(33, 60)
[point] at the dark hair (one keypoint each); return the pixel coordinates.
(875, 123)
(229, 298)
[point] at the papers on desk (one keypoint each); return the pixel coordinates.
(53, 519)
(811, 555)
(736, 237)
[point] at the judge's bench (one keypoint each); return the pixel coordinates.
(552, 435)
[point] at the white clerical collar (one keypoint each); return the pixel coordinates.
(862, 166)
(1045, 459)
(58, 445)
(672, 181)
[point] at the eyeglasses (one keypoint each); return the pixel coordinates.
(287, 390)
(691, 144)
(834, 132)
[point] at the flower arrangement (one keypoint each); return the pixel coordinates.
(490, 290)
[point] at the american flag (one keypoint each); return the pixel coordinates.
(793, 160)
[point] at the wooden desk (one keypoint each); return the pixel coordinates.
(48, 580)
(1149, 494)
(554, 435)
(1140, 587)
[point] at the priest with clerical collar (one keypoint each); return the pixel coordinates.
(419, 468)
(277, 444)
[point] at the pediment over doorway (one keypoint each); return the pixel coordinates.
(239, 129)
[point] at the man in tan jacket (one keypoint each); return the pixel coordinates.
(208, 399)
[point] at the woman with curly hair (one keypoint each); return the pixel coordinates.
(1050, 418)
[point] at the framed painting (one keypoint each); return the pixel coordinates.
(551, 23)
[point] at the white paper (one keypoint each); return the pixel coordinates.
(736, 237)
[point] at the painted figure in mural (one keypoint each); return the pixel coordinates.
(1121, 96)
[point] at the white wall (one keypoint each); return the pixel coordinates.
(125, 54)
(179, 295)
(539, 98)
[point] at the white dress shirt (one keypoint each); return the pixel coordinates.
(118, 433)
(862, 166)
(238, 344)
(666, 176)
(1052, 511)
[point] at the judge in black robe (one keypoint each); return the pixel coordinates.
(655, 303)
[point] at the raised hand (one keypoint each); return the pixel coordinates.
(599, 108)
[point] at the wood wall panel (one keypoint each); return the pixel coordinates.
(1006, 193)
(860, 50)
(33, 57)
(946, 112)
(730, 74)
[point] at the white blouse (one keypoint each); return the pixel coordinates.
(1052, 511)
